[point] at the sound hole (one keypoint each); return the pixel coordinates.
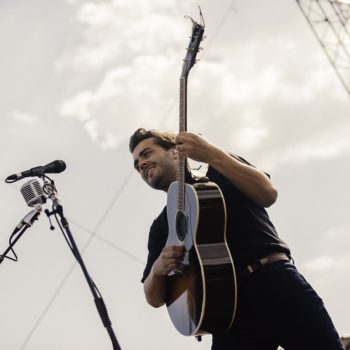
(181, 225)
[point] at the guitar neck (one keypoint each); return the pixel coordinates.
(182, 127)
(189, 61)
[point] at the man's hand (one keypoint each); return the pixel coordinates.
(249, 180)
(169, 259)
(155, 284)
(196, 147)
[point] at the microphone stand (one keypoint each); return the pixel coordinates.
(25, 223)
(50, 189)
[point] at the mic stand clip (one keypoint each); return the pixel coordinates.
(23, 225)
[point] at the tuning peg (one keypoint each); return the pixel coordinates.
(204, 37)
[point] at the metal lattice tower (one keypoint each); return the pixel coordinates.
(330, 22)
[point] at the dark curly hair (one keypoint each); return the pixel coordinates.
(164, 139)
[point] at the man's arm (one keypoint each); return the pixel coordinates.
(155, 289)
(155, 284)
(252, 182)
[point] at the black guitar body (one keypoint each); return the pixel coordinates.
(202, 297)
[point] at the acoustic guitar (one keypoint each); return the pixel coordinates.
(202, 295)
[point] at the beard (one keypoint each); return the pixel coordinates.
(164, 173)
(157, 183)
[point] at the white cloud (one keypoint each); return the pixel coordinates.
(253, 133)
(118, 30)
(78, 107)
(123, 98)
(250, 137)
(319, 264)
(106, 141)
(136, 57)
(340, 233)
(335, 264)
(329, 142)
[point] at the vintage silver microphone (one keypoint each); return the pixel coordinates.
(33, 193)
(34, 196)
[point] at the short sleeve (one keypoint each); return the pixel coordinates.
(156, 241)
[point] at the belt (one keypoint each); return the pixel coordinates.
(267, 260)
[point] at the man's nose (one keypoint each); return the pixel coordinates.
(142, 164)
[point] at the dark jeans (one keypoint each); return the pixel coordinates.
(278, 307)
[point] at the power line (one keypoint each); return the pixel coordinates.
(224, 18)
(47, 307)
(109, 243)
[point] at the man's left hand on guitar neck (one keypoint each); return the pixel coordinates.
(254, 183)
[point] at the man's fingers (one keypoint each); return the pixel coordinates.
(174, 249)
(171, 258)
(176, 253)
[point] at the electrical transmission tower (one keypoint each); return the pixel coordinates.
(330, 22)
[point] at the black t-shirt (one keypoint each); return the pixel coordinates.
(250, 233)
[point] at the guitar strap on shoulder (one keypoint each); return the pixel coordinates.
(199, 175)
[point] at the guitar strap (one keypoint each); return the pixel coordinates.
(198, 175)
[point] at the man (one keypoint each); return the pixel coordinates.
(276, 305)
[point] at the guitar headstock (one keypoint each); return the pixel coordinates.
(193, 46)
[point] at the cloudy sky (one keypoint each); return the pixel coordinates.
(78, 77)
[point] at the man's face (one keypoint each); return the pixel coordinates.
(157, 166)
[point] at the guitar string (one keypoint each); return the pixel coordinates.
(64, 280)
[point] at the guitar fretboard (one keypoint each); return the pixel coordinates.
(182, 160)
